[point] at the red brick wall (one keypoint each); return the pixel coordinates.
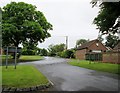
(111, 57)
(80, 54)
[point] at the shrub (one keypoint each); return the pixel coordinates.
(28, 52)
(51, 54)
(44, 52)
(67, 54)
(59, 54)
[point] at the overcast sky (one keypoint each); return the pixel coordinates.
(72, 18)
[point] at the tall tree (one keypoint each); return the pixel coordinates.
(29, 45)
(100, 38)
(54, 49)
(29, 48)
(80, 42)
(43, 52)
(0, 28)
(22, 22)
(112, 40)
(107, 18)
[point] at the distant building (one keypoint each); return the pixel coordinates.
(91, 47)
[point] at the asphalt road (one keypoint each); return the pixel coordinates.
(71, 78)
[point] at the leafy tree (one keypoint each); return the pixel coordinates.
(112, 41)
(68, 54)
(43, 52)
(51, 50)
(59, 47)
(29, 45)
(39, 51)
(29, 48)
(0, 28)
(22, 22)
(100, 38)
(107, 18)
(80, 42)
(54, 49)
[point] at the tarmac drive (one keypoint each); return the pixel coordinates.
(72, 78)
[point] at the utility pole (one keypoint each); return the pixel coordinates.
(66, 42)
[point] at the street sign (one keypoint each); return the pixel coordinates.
(14, 50)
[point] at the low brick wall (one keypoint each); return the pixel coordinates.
(112, 57)
(80, 54)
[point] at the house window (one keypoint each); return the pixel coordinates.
(96, 51)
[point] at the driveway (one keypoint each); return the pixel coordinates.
(71, 78)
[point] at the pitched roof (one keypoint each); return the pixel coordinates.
(109, 48)
(117, 46)
(86, 45)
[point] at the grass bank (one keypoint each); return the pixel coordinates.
(22, 77)
(105, 67)
(23, 58)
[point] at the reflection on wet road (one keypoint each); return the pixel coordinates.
(47, 60)
(71, 78)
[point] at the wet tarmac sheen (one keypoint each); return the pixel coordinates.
(71, 78)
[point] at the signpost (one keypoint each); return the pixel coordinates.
(12, 50)
(6, 57)
(15, 56)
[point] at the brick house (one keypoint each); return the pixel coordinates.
(94, 46)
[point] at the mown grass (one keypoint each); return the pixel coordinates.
(0, 76)
(22, 77)
(23, 58)
(99, 66)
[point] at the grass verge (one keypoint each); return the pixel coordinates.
(23, 77)
(105, 67)
(23, 58)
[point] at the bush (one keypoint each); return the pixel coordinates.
(55, 50)
(59, 54)
(51, 54)
(43, 52)
(67, 54)
(28, 52)
(13, 55)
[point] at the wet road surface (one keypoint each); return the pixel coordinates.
(71, 78)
